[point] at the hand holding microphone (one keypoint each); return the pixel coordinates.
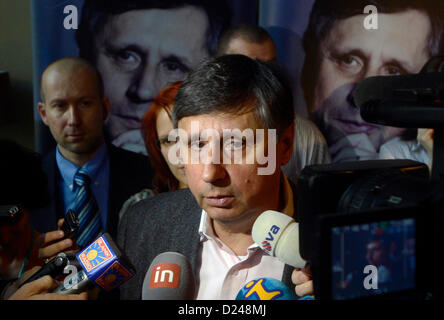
(40, 290)
(301, 278)
(278, 235)
(103, 264)
(53, 268)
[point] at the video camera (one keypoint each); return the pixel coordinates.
(371, 228)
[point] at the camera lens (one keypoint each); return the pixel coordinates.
(385, 188)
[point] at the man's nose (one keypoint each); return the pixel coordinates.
(368, 72)
(213, 172)
(142, 88)
(73, 116)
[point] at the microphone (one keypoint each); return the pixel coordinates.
(406, 101)
(402, 87)
(103, 264)
(278, 235)
(54, 267)
(265, 289)
(169, 277)
(79, 283)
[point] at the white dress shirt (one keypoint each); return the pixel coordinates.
(222, 273)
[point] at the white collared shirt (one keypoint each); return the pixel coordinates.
(221, 272)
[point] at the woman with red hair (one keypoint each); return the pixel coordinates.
(156, 125)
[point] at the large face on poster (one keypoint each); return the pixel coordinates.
(139, 49)
(138, 54)
(348, 52)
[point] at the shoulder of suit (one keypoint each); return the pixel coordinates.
(125, 154)
(49, 161)
(132, 161)
(50, 155)
(166, 213)
(172, 204)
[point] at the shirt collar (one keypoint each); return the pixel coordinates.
(68, 169)
(206, 230)
(288, 197)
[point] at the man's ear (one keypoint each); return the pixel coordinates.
(105, 102)
(285, 143)
(41, 108)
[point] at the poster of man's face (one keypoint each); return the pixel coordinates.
(141, 47)
(347, 52)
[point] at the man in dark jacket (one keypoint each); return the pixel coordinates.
(234, 118)
(84, 173)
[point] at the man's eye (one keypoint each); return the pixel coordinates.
(393, 71)
(127, 58)
(167, 143)
(58, 106)
(175, 67)
(233, 144)
(171, 66)
(196, 145)
(348, 61)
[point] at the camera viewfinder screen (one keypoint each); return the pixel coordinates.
(373, 258)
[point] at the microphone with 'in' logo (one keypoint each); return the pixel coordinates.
(169, 277)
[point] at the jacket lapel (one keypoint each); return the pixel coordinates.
(45, 219)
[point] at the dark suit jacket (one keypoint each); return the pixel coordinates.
(129, 173)
(166, 222)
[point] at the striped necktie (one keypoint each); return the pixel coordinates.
(87, 210)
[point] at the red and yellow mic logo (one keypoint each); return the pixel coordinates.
(165, 275)
(95, 255)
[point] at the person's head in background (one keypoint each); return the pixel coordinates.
(340, 52)
(156, 126)
(247, 39)
(74, 108)
(141, 46)
(378, 250)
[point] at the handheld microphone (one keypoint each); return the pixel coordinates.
(265, 289)
(406, 101)
(102, 264)
(53, 267)
(169, 277)
(76, 284)
(403, 87)
(278, 235)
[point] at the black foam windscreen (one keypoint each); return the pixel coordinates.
(398, 88)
